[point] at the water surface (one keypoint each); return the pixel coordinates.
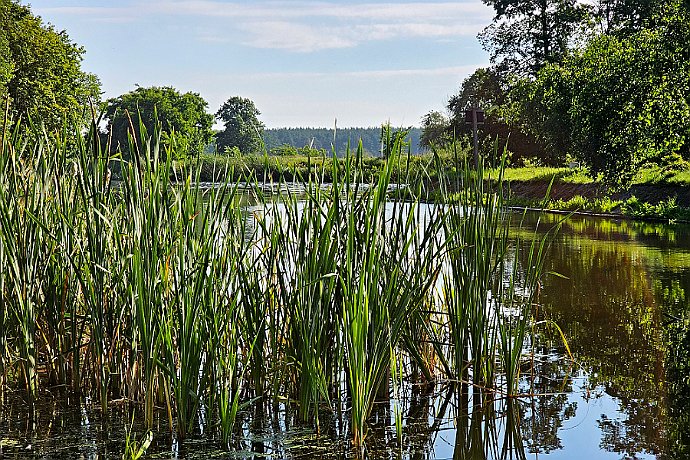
(618, 292)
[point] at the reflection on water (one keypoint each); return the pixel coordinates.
(621, 302)
(622, 281)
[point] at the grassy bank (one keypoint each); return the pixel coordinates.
(653, 195)
(656, 193)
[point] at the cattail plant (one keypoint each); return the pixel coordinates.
(123, 279)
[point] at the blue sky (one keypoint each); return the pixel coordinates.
(303, 63)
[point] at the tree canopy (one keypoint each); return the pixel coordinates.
(528, 34)
(606, 82)
(623, 17)
(40, 71)
(160, 107)
(243, 129)
(618, 102)
(435, 130)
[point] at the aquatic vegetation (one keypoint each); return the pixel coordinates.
(122, 280)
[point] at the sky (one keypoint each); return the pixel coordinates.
(304, 63)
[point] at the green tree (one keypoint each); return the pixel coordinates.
(390, 138)
(619, 102)
(182, 114)
(624, 17)
(40, 71)
(484, 89)
(435, 130)
(541, 107)
(487, 89)
(242, 126)
(528, 34)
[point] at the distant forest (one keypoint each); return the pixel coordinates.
(322, 138)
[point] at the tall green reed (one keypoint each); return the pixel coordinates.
(153, 290)
(386, 277)
(28, 243)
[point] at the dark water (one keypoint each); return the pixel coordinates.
(620, 300)
(620, 303)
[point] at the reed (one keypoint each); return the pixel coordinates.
(148, 288)
(388, 273)
(310, 264)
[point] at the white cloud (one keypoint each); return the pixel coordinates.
(306, 37)
(452, 71)
(302, 26)
(95, 14)
(295, 36)
(335, 10)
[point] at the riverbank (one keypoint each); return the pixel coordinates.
(656, 193)
(641, 201)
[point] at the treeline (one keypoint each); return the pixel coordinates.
(42, 83)
(340, 139)
(606, 83)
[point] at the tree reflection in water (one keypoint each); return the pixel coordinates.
(622, 305)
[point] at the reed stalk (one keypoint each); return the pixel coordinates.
(153, 289)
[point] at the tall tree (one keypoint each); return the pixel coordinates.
(620, 102)
(483, 89)
(40, 70)
(182, 114)
(487, 90)
(435, 128)
(243, 129)
(623, 17)
(528, 34)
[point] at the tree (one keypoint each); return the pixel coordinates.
(483, 89)
(40, 71)
(435, 130)
(394, 140)
(528, 34)
(242, 126)
(541, 107)
(182, 114)
(620, 102)
(624, 17)
(486, 89)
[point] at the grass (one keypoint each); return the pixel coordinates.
(184, 301)
(647, 175)
(544, 174)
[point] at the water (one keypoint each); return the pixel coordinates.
(619, 299)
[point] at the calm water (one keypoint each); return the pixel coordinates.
(619, 299)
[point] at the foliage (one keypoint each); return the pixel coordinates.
(488, 90)
(435, 130)
(624, 17)
(182, 117)
(289, 150)
(135, 448)
(40, 71)
(526, 35)
(242, 126)
(542, 105)
(665, 209)
(612, 103)
(391, 138)
(603, 205)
